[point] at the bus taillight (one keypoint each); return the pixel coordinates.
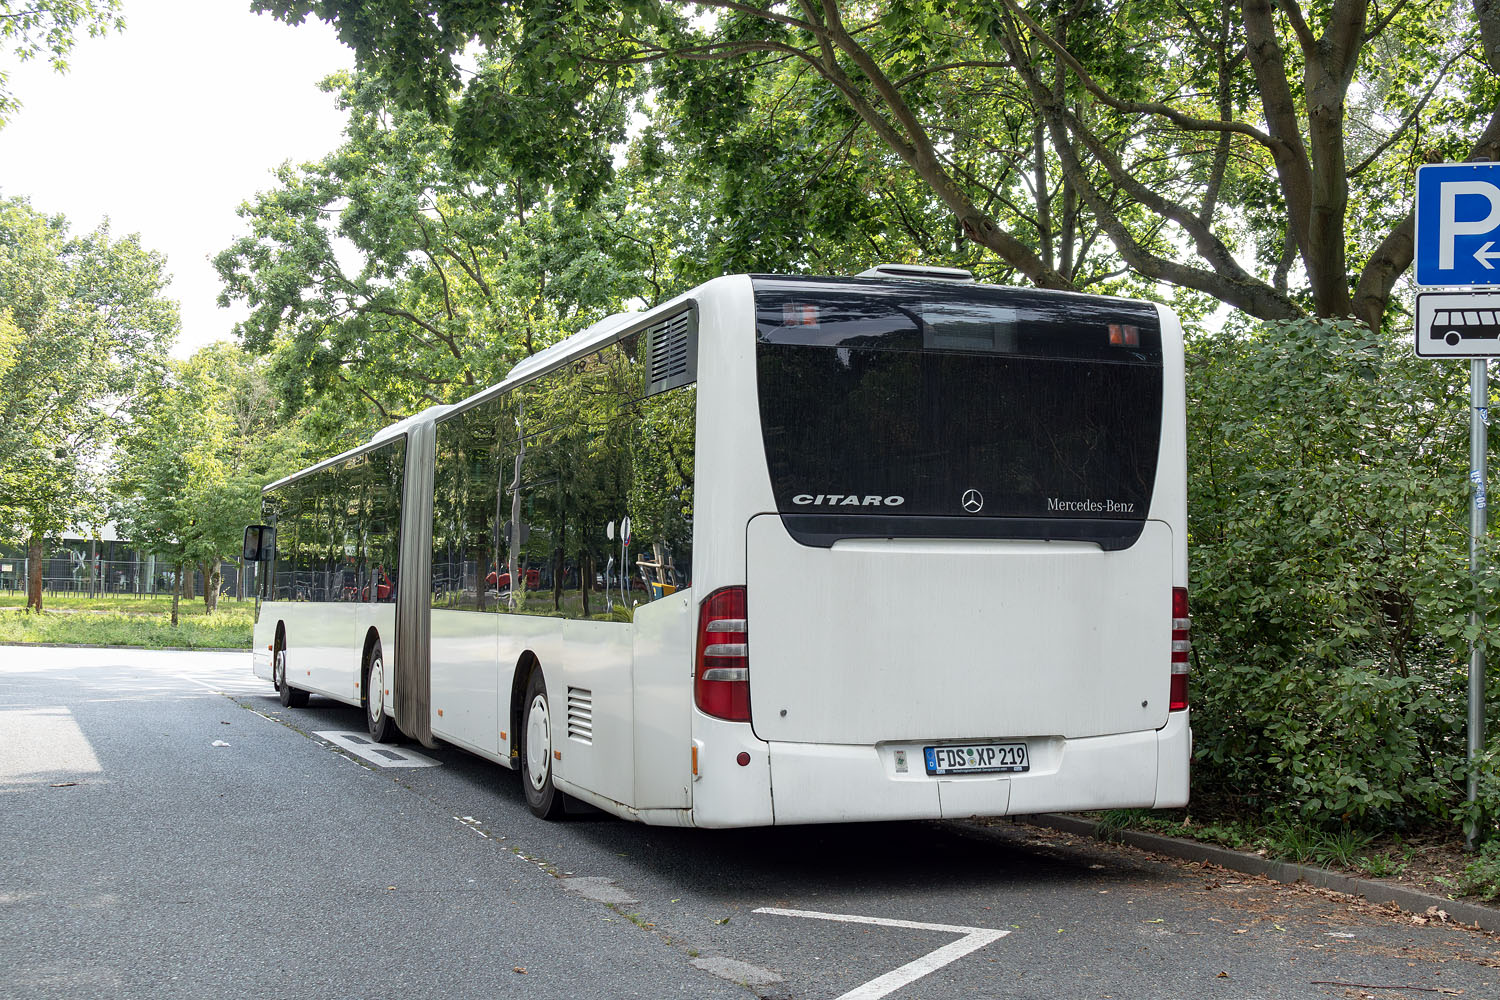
(721, 683)
(1181, 645)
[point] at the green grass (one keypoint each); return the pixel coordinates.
(1281, 840)
(122, 604)
(144, 622)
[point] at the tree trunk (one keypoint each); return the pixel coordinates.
(585, 579)
(176, 594)
(34, 573)
(213, 576)
(212, 579)
(186, 584)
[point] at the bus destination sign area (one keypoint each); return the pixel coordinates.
(1458, 324)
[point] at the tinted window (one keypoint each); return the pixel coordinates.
(599, 457)
(474, 452)
(338, 530)
(924, 409)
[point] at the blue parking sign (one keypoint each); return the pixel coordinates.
(1458, 224)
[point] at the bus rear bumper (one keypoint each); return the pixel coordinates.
(820, 783)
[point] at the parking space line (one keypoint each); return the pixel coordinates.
(973, 939)
(365, 749)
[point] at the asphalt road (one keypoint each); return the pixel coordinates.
(141, 860)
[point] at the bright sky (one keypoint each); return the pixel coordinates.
(167, 127)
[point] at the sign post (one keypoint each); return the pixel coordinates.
(1457, 236)
(1479, 418)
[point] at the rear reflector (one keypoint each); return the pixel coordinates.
(721, 682)
(1182, 645)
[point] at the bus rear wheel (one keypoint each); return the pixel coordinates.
(542, 796)
(378, 723)
(290, 697)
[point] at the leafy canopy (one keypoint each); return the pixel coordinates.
(48, 28)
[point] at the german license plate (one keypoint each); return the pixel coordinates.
(977, 758)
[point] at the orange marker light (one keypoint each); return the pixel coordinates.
(695, 759)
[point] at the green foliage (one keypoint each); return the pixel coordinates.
(1484, 814)
(1086, 145)
(1480, 877)
(394, 273)
(1328, 530)
(187, 474)
(1383, 865)
(48, 29)
(84, 328)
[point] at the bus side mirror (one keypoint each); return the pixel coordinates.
(260, 542)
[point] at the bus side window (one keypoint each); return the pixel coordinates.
(661, 492)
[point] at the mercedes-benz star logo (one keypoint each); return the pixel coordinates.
(973, 501)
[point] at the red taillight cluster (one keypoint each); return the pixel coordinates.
(1182, 645)
(721, 684)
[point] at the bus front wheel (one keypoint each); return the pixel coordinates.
(542, 796)
(1452, 338)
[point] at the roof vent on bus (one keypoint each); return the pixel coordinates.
(921, 271)
(672, 352)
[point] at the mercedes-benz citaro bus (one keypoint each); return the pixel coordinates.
(781, 550)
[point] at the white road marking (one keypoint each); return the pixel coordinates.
(367, 749)
(239, 688)
(973, 939)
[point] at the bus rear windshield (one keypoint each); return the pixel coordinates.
(914, 409)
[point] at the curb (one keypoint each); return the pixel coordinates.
(1475, 914)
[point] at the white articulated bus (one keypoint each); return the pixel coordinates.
(781, 550)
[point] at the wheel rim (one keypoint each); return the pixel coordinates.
(538, 743)
(375, 691)
(278, 669)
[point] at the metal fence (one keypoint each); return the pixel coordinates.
(63, 574)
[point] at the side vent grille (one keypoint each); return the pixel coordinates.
(580, 715)
(672, 352)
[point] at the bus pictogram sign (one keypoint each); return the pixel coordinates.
(1458, 324)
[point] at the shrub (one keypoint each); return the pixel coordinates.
(1328, 538)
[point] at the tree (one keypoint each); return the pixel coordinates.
(32, 28)
(1256, 154)
(86, 328)
(188, 472)
(387, 276)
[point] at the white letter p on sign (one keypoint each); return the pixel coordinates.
(1450, 227)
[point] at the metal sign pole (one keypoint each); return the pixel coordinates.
(1479, 403)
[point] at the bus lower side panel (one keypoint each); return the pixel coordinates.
(325, 643)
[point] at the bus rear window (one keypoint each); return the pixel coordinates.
(917, 409)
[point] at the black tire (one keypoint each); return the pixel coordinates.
(536, 739)
(379, 724)
(291, 697)
(1453, 338)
